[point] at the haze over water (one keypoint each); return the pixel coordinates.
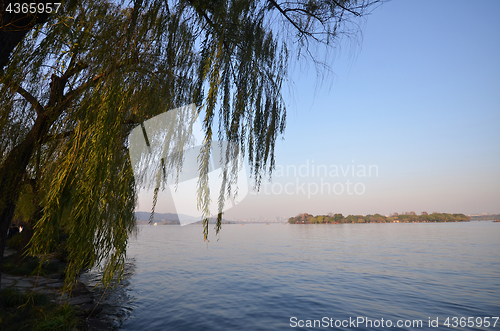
(258, 277)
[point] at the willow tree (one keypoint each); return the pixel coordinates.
(77, 84)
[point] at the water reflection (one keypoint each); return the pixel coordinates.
(116, 300)
(257, 277)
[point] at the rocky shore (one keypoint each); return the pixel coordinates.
(81, 297)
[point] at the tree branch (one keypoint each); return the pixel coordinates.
(68, 97)
(26, 95)
(355, 13)
(306, 12)
(283, 12)
(73, 69)
(204, 14)
(59, 135)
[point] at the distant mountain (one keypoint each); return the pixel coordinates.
(213, 220)
(172, 219)
(143, 216)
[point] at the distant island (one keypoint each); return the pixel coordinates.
(410, 217)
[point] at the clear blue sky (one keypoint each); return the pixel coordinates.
(418, 100)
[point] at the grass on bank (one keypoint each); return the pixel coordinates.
(34, 311)
(19, 264)
(29, 266)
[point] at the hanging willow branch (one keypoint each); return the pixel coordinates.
(75, 85)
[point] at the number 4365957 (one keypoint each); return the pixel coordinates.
(471, 322)
(33, 8)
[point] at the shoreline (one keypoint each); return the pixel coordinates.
(81, 297)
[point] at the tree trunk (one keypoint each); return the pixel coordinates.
(12, 173)
(13, 169)
(5, 219)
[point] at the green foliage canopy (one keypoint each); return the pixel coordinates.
(75, 87)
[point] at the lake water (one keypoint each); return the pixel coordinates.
(279, 277)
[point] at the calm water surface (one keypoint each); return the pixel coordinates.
(257, 277)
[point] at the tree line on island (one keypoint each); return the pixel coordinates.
(407, 217)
